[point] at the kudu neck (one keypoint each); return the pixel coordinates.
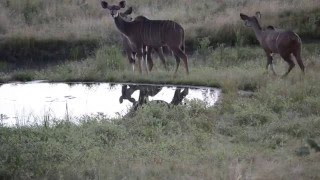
(258, 31)
(122, 25)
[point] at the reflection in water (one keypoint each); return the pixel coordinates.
(147, 91)
(126, 93)
(144, 92)
(179, 95)
(31, 103)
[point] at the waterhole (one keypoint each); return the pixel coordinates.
(34, 102)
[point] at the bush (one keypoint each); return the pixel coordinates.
(23, 76)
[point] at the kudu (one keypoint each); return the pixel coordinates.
(129, 49)
(151, 33)
(272, 41)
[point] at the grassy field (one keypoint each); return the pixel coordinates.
(229, 68)
(40, 32)
(269, 134)
(262, 136)
(218, 20)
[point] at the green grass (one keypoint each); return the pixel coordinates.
(261, 136)
(244, 137)
(239, 68)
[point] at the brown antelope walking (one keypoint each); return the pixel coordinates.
(153, 33)
(129, 49)
(272, 41)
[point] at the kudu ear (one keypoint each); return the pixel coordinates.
(258, 14)
(104, 4)
(128, 11)
(270, 27)
(243, 16)
(122, 4)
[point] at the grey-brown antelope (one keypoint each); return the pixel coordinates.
(150, 33)
(283, 42)
(129, 49)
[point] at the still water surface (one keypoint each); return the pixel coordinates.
(31, 103)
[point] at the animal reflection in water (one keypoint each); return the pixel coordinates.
(146, 91)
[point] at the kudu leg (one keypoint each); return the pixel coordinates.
(149, 58)
(139, 58)
(131, 59)
(270, 63)
(177, 63)
(288, 59)
(178, 52)
(145, 58)
(161, 56)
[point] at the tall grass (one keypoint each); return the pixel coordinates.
(242, 138)
(70, 24)
(260, 136)
(263, 135)
(218, 20)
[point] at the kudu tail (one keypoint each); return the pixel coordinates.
(297, 52)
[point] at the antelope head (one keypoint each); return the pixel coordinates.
(114, 9)
(251, 21)
(127, 14)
